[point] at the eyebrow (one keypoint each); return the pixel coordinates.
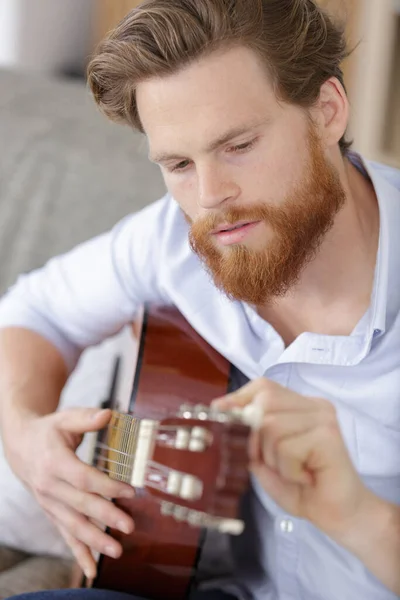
(220, 141)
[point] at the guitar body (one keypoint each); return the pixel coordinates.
(175, 366)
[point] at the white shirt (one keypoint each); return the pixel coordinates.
(88, 294)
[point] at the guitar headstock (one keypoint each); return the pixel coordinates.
(194, 463)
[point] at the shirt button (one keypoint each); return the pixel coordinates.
(286, 526)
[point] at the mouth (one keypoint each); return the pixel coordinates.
(228, 234)
(226, 227)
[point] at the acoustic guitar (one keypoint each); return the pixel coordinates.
(187, 462)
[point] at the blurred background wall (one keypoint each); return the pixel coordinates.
(46, 35)
(58, 35)
(372, 73)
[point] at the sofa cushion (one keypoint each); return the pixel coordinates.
(21, 573)
(66, 175)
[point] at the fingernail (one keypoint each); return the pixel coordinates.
(126, 493)
(111, 551)
(217, 402)
(89, 574)
(96, 414)
(124, 526)
(221, 405)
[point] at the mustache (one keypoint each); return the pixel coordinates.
(273, 215)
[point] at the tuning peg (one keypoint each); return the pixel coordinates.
(191, 488)
(200, 438)
(194, 411)
(180, 513)
(185, 486)
(251, 415)
(231, 526)
(182, 438)
(167, 508)
(197, 518)
(186, 411)
(201, 412)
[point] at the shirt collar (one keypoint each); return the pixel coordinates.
(385, 302)
(387, 271)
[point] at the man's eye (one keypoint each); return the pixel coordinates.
(243, 147)
(181, 166)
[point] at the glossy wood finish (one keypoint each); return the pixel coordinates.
(222, 467)
(178, 366)
(175, 366)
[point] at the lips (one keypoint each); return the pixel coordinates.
(235, 234)
(230, 227)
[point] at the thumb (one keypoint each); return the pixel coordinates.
(82, 420)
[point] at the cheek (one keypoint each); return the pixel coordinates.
(280, 182)
(184, 191)
(284, 156)
(280, 178)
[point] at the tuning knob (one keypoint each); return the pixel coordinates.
(251, 415)
(197, 518)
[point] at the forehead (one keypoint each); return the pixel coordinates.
(212, 95)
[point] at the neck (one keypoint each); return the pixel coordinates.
(334, 290)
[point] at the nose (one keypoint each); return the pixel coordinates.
(215, 186)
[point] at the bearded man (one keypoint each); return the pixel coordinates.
(280, 246)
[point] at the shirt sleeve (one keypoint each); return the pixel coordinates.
(88, 294)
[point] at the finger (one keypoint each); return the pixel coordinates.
(87, 478)
(81, 552)
(262, 404)
(268, 394)
(307, 453)
(293, 470)
(280, 426)
(91, 505)
(80, 528)
(243, 395)
(82, 420)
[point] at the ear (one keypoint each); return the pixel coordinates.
(332, 109)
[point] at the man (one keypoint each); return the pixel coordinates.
(281, 248)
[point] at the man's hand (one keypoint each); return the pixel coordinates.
(299, 456)
(72, 493)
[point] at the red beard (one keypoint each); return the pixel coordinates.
(299, 226)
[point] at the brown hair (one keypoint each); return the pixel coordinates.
(298, 42)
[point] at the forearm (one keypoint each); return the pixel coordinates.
(32, 376)
(375, 540)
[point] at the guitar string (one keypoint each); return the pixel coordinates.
(106, 447)
(160, 428)
(122, 468)
(127, 455)
(166, 428)
(123, 442)
(131, 444)
(130, 438)
(126, 441)
(152, 463)
(148, 484)
(102, 446)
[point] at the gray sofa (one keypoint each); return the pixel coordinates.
(66, 174)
